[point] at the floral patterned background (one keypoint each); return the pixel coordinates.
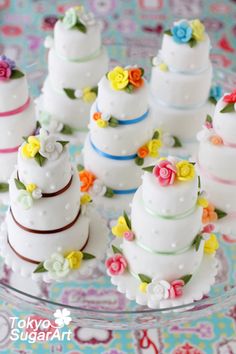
(132, 33)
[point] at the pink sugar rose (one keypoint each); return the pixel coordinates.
(208, 228)
(117, 264)
(208, 125)
(176, 288)
(129, 235)
(165, 172)
(230, 98)
(5, 70)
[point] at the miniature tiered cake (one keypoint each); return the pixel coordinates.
(180, 85)
(121, 136)
(49, 230)
(76, 62)
(17, 116)
(164, 246)
(217, 154)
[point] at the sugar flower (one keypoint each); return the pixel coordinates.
(182, 32)
(185, 171)
(119, 78)
(158, 289)
(116, 264)
(57, 266)
(165, 172)
(74, 258)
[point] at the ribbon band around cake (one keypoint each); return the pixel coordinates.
(171, 217)
(215, 178)
(129, 121)
(84, 59)
(177, 107)
(162, 253)
(9, 150)
(112, 157)
(16, 110)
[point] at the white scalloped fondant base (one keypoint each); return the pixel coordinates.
(96, 246)
(198, 286)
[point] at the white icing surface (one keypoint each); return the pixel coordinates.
(41, 215)
(122, 140)
(14, 127)
(7, 163)
(167, 267)
(74, 44)
(171, 200)
(161, 234)
(225, 123)
(67, 74)
(41, 247)
(181, 90)
(121, 104)
(13, 94)
(184, 58)
(50, 177)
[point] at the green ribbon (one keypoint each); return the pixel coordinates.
(146, 248)
(80, 60)
(171, 217)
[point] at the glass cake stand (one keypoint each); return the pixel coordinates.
(94, 301)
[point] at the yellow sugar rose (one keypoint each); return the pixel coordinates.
(31, 148)
(153, 146)
(102, 123)
(31, 187)
(88, 95)
(119, 78)
(198, 29)
(143, 287)
(85, 199)
(120, 228)
(211, 245)
(203, 202)
(185, 171)
(163, 67)
(74, 258)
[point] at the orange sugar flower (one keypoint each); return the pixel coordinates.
(143, 152)
(97, 115)
(216, 140)
(209, 215)
(135, 77)
(87, 179)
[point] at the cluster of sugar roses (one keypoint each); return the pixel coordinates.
(77, 18)
(27, 193)
(93, 185)
(42, 147)
(151, 148)
(127, 79)
(105, 120)
(87, 94)
(8, 69)
(60, 265)
(190, 32)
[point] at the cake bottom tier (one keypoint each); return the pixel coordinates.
(39, 247)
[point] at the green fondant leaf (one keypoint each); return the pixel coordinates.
(80, 26)
(107, 75)
(109, 193)
(186, 278)
(116, 250)
(212, 100)
(168, 32)
(70, 93)
(144, 278)
(197, 241)
(156, 134)
(220, 213)
(40, 268)
(192, 42)
(4, 187)
(148, 168)
(38, 125)
(67, 130)
(228, 108)
(142, 71)
(16, 74)
(129, 88)
(139, 161)
(94, 90)
(192, 163)
(40, 159)
(127, 219)
(199, 182)
(177, 142)
(62, 142)
(19, 184)
(209, 119)
(80, 167)
(113, 122)
(25, 138)
(87, 256)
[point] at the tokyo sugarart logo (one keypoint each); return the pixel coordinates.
(35, 328)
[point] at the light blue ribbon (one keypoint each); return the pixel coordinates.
(188, 72)
(169, 105)
(112, 157)
(130, 121)
(124, 191)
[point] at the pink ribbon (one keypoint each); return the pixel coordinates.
(214, 178)
(9, 150)
(17, 110)
(230, 145)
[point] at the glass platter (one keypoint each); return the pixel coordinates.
(94, 301)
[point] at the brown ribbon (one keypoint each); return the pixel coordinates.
(32, 260)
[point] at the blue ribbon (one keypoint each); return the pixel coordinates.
(130, 121)
(112, 157)
(124, 191)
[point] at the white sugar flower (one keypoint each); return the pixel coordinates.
(70, 18)
(98, 188)
(57, 266)
(205, 134)
(79, 93)
(25, 199)
(106, 116)
(168, 140)
(55, 126)
(62, 317)
(87, 19)
(158, 289)
(156, 60)
(37, 193)
(50, 148)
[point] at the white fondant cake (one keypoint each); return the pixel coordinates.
(216, 155)
(121, 135)
(76, 62)
(17, 116)
(48, 222)
(163, 245)
(180, 83)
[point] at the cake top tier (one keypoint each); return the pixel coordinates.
(123, 93)
(13, 85)
(170, 188)
(43, 160)
(186, 47)
(77, 36)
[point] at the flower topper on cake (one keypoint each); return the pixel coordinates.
(8, 69)
(230, 100)
(187, 32)
(167, 171)
(123, 228)
(77, 18)
(42, 147)
(127, 79)
(151, 148)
